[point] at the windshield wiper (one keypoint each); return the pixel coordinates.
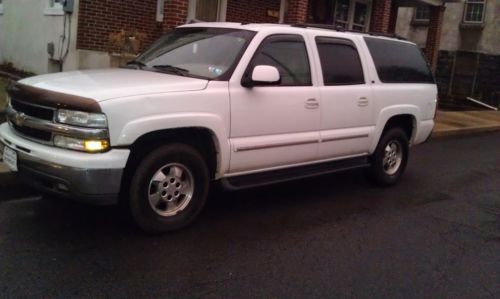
(171, 68)
(136, 63)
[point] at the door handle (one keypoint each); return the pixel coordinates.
(312, 104)
(363, 102)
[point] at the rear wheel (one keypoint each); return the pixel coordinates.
(389, 160)
(169, 188)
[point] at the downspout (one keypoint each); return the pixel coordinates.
(282, 11)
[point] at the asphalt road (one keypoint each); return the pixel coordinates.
(434, 235)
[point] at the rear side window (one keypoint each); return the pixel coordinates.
(289, 55)
(339, 61)
(399, 62)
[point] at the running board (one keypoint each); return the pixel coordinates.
(293, 173)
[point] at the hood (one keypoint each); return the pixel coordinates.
(105, 84)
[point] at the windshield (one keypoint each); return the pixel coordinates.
(209, 53)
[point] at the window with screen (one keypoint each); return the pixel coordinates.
(56, 3)
(289, 55)
(399, 62)
(422, 14)
(474, 11)
(340, 61)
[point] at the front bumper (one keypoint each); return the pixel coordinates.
(92, 178)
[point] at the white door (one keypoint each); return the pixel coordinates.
(346, 107)
(275, 125)
(207, 10)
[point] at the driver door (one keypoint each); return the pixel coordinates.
(276, 125)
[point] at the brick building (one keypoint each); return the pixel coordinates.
(98, 31)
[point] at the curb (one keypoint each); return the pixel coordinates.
(464, 131)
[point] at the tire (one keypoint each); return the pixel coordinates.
(389, 160)
(169, 188)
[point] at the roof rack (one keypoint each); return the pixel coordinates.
(342, 29)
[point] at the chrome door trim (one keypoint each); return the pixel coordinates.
(267, 146)
(330, 139)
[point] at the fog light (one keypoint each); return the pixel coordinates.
(95, 145)
(91, 146)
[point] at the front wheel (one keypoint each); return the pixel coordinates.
(391, 155)
(169, 188)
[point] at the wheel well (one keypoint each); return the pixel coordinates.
(200, 138)
(403, 121)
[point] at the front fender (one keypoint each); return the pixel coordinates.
(141, 126)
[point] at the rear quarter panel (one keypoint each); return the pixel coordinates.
(391, 99)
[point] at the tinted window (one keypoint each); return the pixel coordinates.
(339, 61)
(399, 62)
(289, 55)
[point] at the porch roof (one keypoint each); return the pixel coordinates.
(412, 3)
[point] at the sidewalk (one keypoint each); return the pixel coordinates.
(447, 124)
(465, 122)
(3, 168)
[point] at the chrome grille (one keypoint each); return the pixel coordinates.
(20, 111)
(32, 110)
(42, 131)
(33, 133)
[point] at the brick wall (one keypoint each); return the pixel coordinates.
(98, 18)
(175, 13)
(381, 14)
(251, 11)
(436, 15)
(297, 11)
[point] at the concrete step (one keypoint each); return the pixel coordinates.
(3, 168)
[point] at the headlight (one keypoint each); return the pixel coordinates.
(87, 145)
(84, 119)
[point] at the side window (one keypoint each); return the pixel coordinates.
(289, 55)
(339, 61)
(474, 11)
(398, 62)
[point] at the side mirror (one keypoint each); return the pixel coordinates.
(262, 75)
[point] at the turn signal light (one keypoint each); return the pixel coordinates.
(95, 145)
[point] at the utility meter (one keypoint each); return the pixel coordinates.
(68, 6)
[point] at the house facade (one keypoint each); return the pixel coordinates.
(43, 37)
(468, 62)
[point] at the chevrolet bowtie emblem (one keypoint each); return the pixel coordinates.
(19, 119)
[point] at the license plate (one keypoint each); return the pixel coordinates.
(10, 158)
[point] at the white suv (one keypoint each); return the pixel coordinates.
(245, 105)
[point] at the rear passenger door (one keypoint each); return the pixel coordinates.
(346, 107)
